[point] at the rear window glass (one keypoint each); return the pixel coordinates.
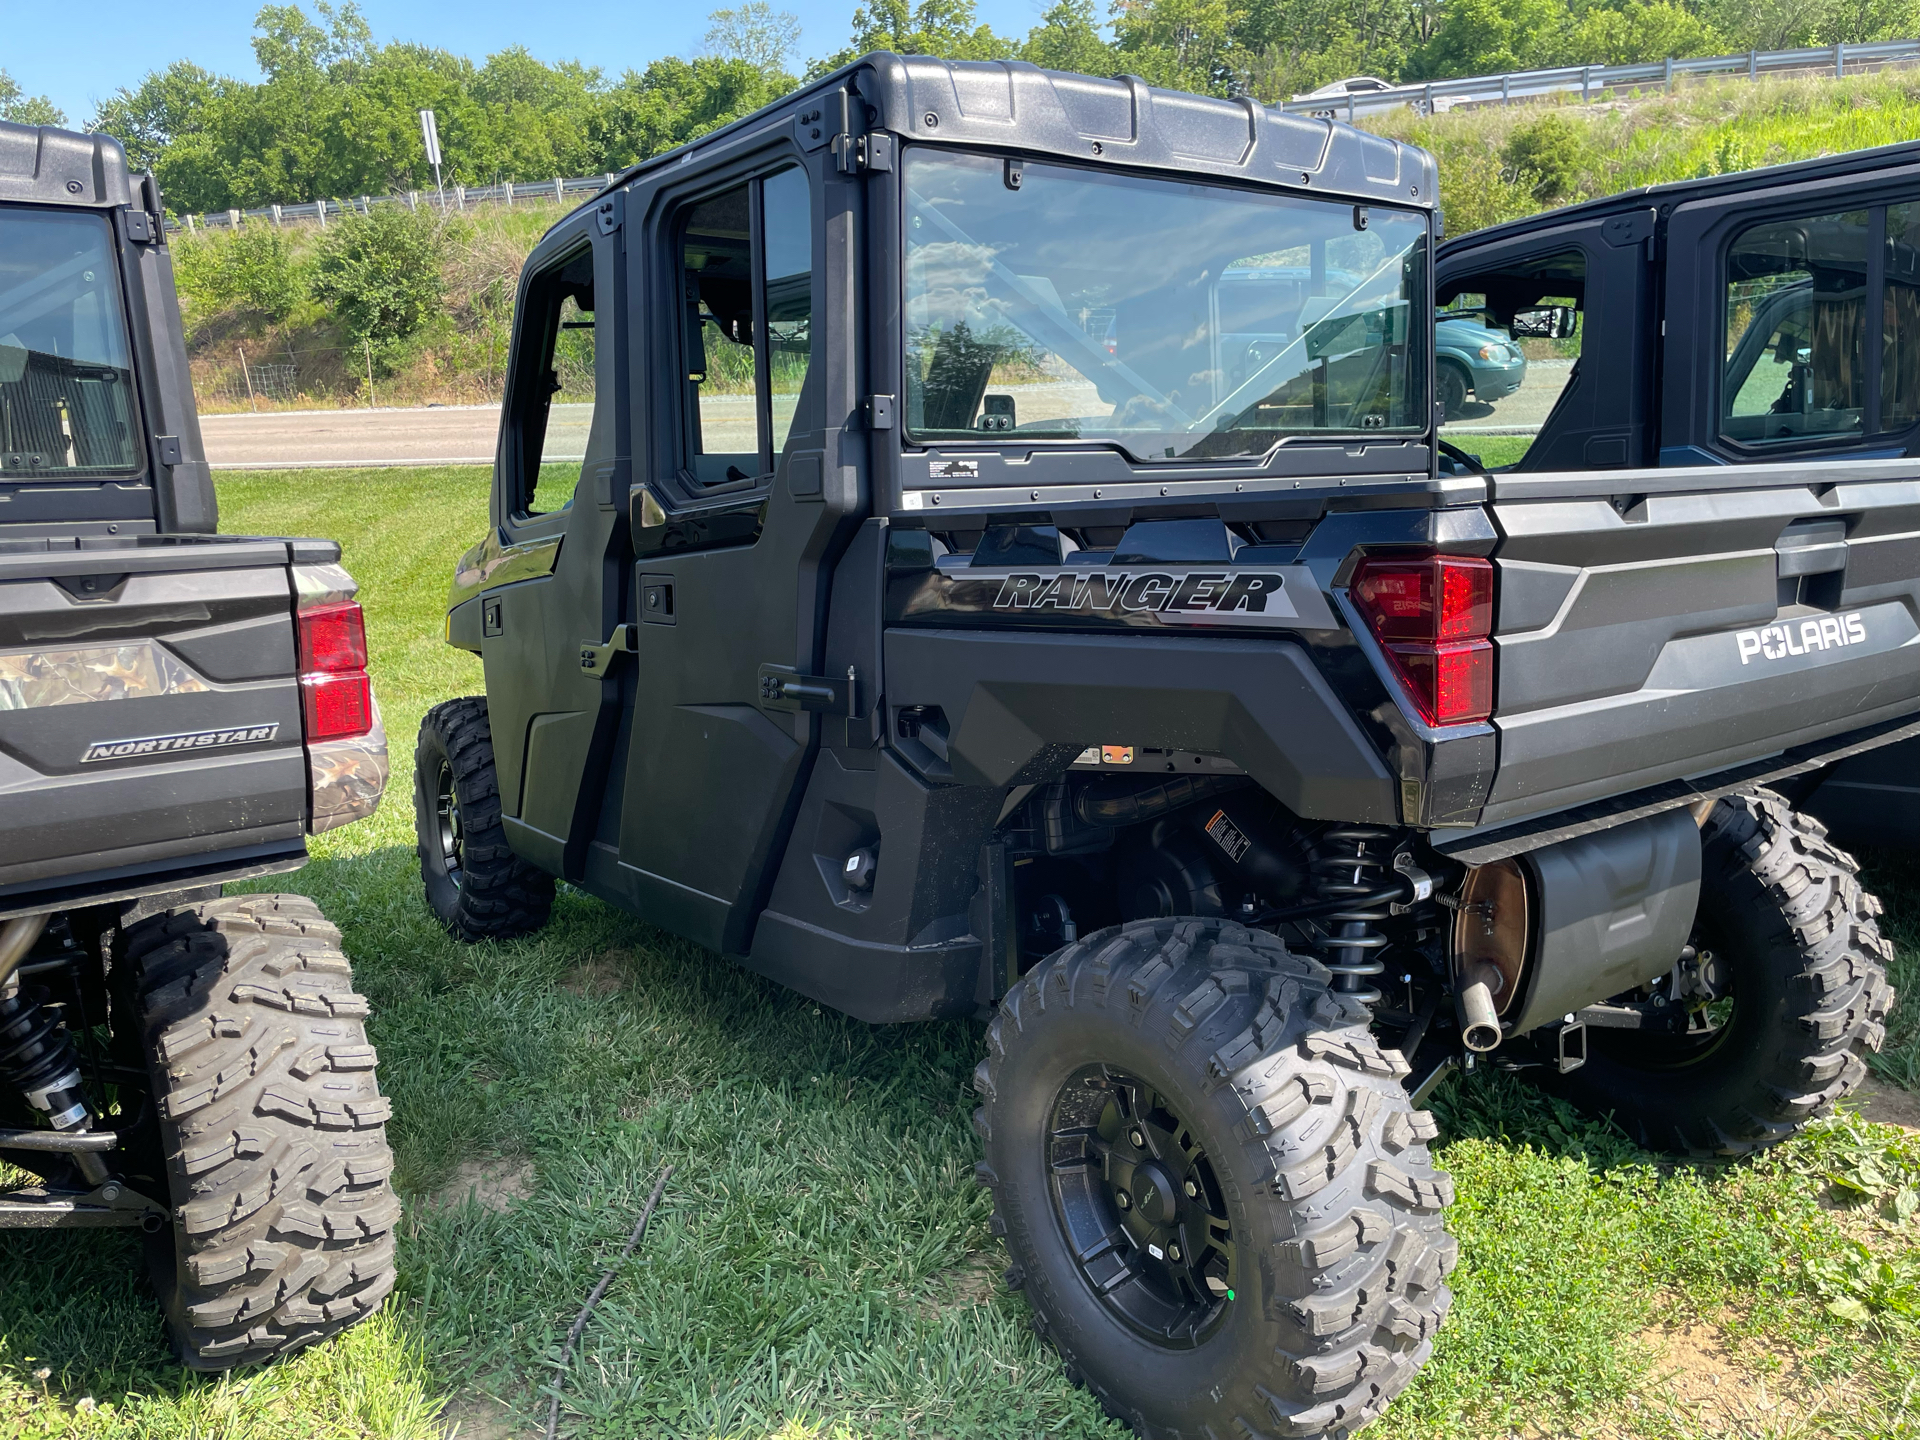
(66, 384)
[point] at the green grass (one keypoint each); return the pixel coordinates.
(817, 1267)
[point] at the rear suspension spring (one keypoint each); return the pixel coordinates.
(37, 1058)
(1352, 865)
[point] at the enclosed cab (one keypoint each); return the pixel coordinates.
(1011, 572)
(178, 709)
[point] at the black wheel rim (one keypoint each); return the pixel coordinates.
(452, 837)
(1689, 1012)
(1143, 1213)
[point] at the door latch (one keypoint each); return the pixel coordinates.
(598, 659)
(784, 688)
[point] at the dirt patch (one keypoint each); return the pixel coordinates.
(480, 1417)
(497, 1185)
(1886, 1104)
(1702, 1376)
(597, 978)
(972, 1282)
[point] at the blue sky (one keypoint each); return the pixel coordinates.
(41, 48)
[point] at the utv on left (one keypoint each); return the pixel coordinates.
(178, 710)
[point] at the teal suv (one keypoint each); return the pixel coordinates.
(1471, 357)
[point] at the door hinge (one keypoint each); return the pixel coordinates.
(871, 152)
(140, 227)
(784, 688)
(598, 659)
(879, 412)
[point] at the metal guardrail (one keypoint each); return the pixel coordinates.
(1427, 98)
(1590, 80)
(455, 198)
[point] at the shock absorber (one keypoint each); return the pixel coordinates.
(1352, 865)
(37, 1058)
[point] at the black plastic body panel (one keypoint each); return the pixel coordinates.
(148, 641)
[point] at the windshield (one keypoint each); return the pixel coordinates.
(66, 384)
(1175, 320)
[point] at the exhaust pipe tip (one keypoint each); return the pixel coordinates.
(1479, 1020)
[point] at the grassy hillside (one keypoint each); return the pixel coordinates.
(1500, 163)
(1495, 164)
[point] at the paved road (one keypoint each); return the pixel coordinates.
(442, 435)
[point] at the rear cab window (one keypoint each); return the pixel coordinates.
(66, 376)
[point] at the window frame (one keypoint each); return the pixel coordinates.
(1421, 374)
(523, 376)
(686, 430)
(1822, 206)
(140, 466)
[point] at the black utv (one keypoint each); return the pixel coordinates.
(178, 709)
(1005, 569)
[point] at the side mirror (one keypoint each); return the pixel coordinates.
(996, 413)
(1544, 322)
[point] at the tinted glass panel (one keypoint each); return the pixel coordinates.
(1900, 338)
(716, 256)
(1796, 330)
(1174, 320)
(788, 222)
(66, 383)
(555, 390)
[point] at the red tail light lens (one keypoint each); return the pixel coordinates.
(1433, 614)
(337, 706)
(335, 692)
(333, 638)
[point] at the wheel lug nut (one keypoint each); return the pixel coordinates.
(1139, 1140)
(1123, 1200)
(1193, 1190)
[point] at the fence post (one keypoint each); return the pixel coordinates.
(276, 216)
(1505, 99)
(368, 344)
(190, 224)
(1586, 84)
(247, 375)
(459, 197)
(233, 219)
(1753, 64)
(1840, 61)
(1349, 107)
(1669, 75)
(509, 189)
(413, 200)
(560, 186)
(1426, 97)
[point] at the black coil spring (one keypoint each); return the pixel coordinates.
(35, 1050)
(1351, 864)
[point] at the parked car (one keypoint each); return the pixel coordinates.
(1355, 85)
(1242, 771)
(1470, 358)
(178, 709)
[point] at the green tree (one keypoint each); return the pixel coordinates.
(1181, 44)
(673, 101)
(947, 28)
(757, 33)
(381, 275)
(23, 109)
(1637, 32)
(1068, 38)
(1549, 156)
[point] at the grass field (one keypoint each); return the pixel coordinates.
(822, 1266)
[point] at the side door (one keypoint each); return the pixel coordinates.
(558, 576)
(749, 489)
(1541, 401)
(1794, 322)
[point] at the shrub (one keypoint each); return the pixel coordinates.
(252, 269)
(382, 275)
(1552, 153)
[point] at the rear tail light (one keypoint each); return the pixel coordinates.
(335, 693)
(1433, 615)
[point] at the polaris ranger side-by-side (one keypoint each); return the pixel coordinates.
(1011, 574)
(177, 709)
(1759, 318)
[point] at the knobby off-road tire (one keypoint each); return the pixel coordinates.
(1311, 1164)
(272, 1126)
(477, 887)
(1784, 912)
